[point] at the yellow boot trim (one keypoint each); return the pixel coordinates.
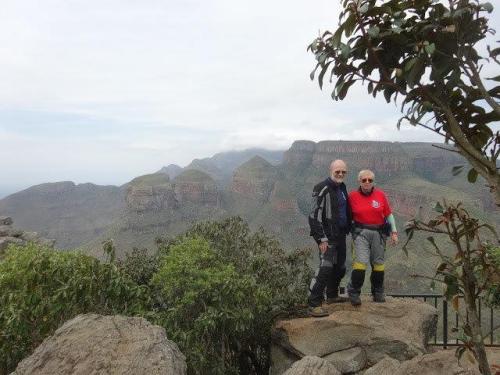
(378, 267)
(358, 266)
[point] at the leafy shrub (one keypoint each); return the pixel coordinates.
(211, 308)
(139, 265)
(40, 288)
(283, 276)
(259, 255)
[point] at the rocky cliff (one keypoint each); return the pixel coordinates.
(196, 187)
(150, 192)
(254, 179)
(276, 197)
(356, 338)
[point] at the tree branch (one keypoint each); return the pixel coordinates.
(476, 79)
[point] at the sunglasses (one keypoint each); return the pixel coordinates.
(365, 180)
(340, 172)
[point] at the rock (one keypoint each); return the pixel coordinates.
(8, 231)
(442, 362)
(347, 361)
(96, 344)
(387, 366)
(311, 365)
(30, 236)
(399, 328)
(5, 220)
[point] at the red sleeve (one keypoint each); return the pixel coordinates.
(387, 208)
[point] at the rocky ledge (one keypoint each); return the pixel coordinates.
(9, 234)
(356, 338)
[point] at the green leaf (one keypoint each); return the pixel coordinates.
(349, 25)
(430, 48)
(413, 77)
(322, 74)
(344, 51)
(314, 72)
(370, 87)
(389, 90)
(409, 64)
(336, 38)
(343, 91)
(472, 175)
(438, 208)
(496, 79)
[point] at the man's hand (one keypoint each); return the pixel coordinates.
(394, 238)
(323, 246)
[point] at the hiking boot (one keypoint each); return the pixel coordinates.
(317, 312)
(337, 299)
(380, 298)
(355, 300)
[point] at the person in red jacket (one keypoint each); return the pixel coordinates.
(370, 212)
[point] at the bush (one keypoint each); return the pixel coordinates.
(40, 288)
(139, 265)
(258, 258)
(259, 255)
(212, 309)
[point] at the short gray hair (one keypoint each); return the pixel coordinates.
(365, 172)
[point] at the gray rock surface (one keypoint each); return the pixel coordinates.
(96, 344)
(311, 365)
(10, 235)
(442, 362)
(348, 361)
(387, 366)
(399, 328)
(5, 220)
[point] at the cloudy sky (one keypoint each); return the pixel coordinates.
(105, 90)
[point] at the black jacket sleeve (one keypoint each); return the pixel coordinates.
(316, 216)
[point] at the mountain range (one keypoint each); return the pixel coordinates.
(269, 189)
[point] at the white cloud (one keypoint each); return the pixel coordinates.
(117, 88)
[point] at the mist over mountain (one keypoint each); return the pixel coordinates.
(269, 189)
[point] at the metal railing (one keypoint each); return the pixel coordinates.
(446, 341)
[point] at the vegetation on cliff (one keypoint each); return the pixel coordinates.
(41, 288)
(216, 289)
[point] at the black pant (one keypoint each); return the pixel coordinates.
(330, 272)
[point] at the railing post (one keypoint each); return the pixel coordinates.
(445, 323)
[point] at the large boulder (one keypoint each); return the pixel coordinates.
(353, 338)
(96, 344)
(310, 365)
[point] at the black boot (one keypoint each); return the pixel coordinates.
(355, 285)
(377, 280)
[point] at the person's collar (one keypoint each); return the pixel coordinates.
(333, 183)
(368, 193)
